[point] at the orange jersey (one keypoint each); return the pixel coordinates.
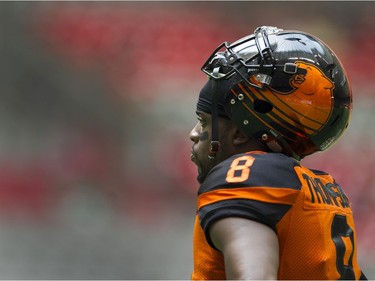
(307, 209)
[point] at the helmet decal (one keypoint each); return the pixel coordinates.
(315, 90)
(305, 108)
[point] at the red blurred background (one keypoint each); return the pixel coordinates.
(97, 100)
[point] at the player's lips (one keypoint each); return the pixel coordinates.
(193, 156)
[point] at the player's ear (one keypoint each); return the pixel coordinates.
(239, 137)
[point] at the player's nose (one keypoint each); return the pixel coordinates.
(194, 134)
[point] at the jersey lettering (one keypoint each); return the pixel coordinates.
(330, 193)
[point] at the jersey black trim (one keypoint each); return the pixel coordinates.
(265, 213)
(272, 170)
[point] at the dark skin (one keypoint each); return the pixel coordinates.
(250, 249)
(232, 141)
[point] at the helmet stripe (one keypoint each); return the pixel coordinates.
(267, 124)
(280, 113)
(275, 118)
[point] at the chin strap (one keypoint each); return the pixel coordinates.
(215, 144)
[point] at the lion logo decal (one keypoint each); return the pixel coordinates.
(305, 107)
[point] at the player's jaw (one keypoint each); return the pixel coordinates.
(197, 160)
(201, 138)
(199, 155)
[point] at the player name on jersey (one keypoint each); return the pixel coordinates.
(323, 192)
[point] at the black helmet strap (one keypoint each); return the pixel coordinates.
(215, 143)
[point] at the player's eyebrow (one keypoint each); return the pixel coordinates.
(199, 115)
(202, 114)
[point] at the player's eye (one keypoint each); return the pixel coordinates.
(201, 121)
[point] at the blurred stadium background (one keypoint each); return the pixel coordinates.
(96, 103)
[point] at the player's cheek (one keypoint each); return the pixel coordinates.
(203, 136)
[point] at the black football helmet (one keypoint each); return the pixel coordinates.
(286, 88)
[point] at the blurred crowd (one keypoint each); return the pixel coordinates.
(96, 103)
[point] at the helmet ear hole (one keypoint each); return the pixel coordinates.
(262, 106)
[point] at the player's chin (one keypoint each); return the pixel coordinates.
(194, 157)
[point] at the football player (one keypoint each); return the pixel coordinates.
(271, 99)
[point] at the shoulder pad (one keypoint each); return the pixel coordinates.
(272, 170)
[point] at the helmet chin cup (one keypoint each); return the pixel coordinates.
(214, 149)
